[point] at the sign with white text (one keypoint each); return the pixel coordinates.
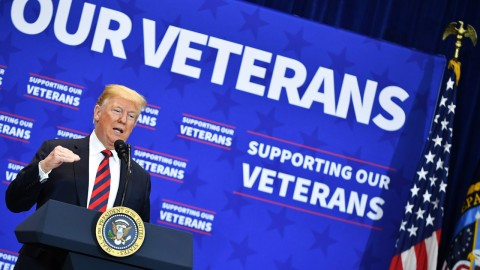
(278, 142)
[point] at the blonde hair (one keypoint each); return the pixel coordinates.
(117, 90)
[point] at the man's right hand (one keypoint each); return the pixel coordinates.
(58, 156)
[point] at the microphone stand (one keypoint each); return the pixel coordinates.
(127, 176)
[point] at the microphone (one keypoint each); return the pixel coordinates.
(123, 152)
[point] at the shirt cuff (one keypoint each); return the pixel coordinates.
(42, 176)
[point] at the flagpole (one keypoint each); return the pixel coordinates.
(455, 65)
(460, 32)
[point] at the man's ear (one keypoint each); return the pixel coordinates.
(96, 113)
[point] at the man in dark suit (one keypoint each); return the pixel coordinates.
(64, 170)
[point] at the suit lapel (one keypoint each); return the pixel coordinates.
(81, 172)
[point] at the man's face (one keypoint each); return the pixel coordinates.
(114, 120)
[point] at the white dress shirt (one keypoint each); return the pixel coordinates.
(95, 157)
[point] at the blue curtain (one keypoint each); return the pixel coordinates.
(418, 25)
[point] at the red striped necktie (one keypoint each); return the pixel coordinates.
(101, 189)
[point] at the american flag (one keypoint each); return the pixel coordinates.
(420, 229)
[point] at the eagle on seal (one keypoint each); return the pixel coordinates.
(120, 230)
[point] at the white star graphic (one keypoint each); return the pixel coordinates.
(432, 179)
(427, 196)
(402, 226)
(443, 102)
(430, 220)
(412, 230)
(414, 190)
(435, 204)
(408, 208)
(450, 83)
(439, 164)
(438, 140)
(446, 147)
(422, 174)
(420, 213)
(430, 156)
(444, 124)
(443, 187)
(451, 108)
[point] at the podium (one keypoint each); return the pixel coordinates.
(72, 228)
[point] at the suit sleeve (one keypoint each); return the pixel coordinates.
(146, 207)
(23, 192)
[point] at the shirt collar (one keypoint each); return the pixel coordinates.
(96, 147)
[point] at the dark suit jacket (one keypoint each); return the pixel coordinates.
(69, 183)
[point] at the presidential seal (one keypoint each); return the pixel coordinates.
(120, 231)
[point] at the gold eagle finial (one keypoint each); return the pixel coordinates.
(460, 33)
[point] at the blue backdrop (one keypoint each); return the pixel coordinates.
(278, 142)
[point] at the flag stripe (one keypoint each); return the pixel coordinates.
(432, 244)
(421, 255)
(409, 259)
(396, 263)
